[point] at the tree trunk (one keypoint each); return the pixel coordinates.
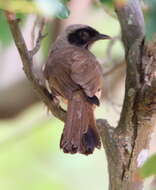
(127, 145)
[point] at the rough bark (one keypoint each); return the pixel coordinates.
(126, 145)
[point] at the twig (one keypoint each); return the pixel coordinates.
(33, 31)
(39, 38)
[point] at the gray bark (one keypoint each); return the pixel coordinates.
(127, 145)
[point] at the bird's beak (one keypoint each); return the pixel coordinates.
(103, 37)
(97, 37)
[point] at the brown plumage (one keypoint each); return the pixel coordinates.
(73, 73)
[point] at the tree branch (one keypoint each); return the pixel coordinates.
(131, 20)
(132, 27)
(39, 38)
(132, 135)
(27, 60)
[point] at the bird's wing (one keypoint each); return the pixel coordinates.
(86, 72)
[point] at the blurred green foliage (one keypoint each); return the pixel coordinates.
(107, 2)
(21, 7)
(5, 34)
(150, 16)
(53, 8)
(43, 7)
(149, 168)
(31, 158)
(65, 1)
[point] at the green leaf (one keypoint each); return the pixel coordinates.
(108, 2)
(47, 8)
(19, 6)
(150, 2)
(21, 16)
(65, 1)
(63, 13)
(149, 168)
(5, 34)
(53, 8)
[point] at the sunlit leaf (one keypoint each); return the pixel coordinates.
(65, 1)
(149, 168)
(22, 6)
(5, 34)
(119, 3)
(45, 7)
(53, 7)
(63, 13)
(107, 2)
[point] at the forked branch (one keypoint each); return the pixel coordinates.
(27, 60)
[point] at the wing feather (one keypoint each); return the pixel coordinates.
(86, 72)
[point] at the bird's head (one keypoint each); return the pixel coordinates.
(78, 35)
(83, 35)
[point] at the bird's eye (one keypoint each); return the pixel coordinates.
(81, 37)
(84, 35)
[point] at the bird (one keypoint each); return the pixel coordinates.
(73, 73)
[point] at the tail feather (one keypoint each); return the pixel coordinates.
(80, 133)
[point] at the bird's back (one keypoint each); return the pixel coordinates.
(71, 69)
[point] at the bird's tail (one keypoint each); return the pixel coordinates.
(80, 133)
